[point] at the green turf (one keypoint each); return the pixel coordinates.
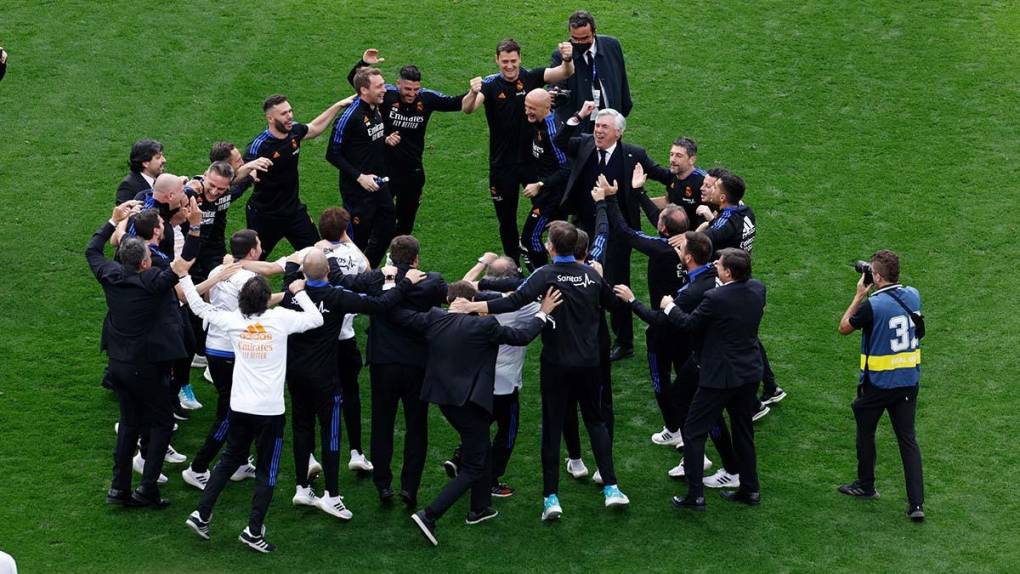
(857, 126)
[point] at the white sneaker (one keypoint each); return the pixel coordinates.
(614, 497)
(667, 438)
(678, 470)
(576, 468)
(334, 505)
(246, 470)
(207, 375)
(172, 456)
(551, 509)
(722, 479)
(196, 479)
(305, 496)
(199, 362)
(359, 462)
(138, 464)
(314, 468)
(597, 478)
(188, 400)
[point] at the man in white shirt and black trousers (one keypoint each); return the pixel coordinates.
(259, 337)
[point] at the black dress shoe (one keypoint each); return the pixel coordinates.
(409, 499)
(748, 498)
(915, 513)
(386, 494)
(153, 500)
(618, 353)
(691, 503)
(118, 497)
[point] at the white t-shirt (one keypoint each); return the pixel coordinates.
(510, 360)
(260, 348)
(351, 261)
(223, 295)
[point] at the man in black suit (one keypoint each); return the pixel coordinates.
(726, 322)
(603, 153)
(146, 163)
(600, 74)
(460, 378)
(142, 335)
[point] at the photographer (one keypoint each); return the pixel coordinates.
(891, 325)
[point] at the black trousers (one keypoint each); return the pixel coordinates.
(406, 189)
(617, 271)
(222, 371)
(571, 430)
(558, 385)
(662, 363)
(348, 368)
(393, 384)
(684, 388)
(146, 399)
(531, 235)
(372, 219)
(901, 403)
(768, 378)
(296, 227)
(472, 424)
(267, 434)
(706, 408)
(505, 184)
(312, 399)
(506, 413)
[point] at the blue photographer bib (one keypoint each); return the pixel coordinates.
(890, 354)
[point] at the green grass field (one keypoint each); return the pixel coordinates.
(856, 126)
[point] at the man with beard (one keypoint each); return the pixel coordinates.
(509, 142)
(275, 210)
(684, 180)
(147, 162)
(406, 110)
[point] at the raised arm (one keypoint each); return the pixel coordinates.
(566, 67)
(474, 98)
(521, 336)
(322, 121)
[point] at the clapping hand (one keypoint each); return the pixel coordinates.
(638, 179)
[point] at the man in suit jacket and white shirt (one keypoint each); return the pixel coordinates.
(460, 378)
(600, 74)
(603, 153)
(147, 162)
(726, 324)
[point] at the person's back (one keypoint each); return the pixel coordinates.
(729, 353)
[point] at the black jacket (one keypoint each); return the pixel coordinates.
(143, 322)
(612, 73)
(132, 184)
(462, 353)
(726, 321)
(580, 148)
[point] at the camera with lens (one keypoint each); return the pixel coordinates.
(559, 95)
(865, 268)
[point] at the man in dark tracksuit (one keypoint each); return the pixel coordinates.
(570, 360)
(312, 376)
(143, 335)
(666, 274)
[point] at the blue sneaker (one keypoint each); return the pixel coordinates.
(614, 497)
(188, 400)
(552, 509)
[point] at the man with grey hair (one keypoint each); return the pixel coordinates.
(604, 154)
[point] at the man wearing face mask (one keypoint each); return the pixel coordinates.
(600, 73)
(406, 110)
(509, 139)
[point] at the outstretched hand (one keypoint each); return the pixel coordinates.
(624, 293)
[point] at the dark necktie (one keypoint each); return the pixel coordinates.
(602, 161)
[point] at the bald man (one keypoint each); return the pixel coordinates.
(547, 173)
(312, 375)
(167, 196)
